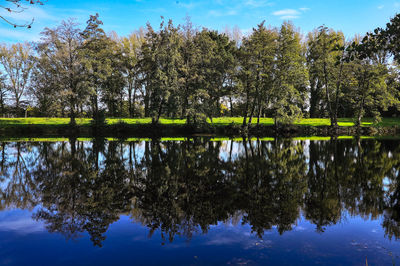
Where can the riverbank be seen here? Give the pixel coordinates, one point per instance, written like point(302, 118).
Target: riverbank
point(226, 126)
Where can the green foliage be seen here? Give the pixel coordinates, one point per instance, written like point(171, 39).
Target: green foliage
point(289, 91)
point(200, 75)
point(76, 188)
point(17, 63)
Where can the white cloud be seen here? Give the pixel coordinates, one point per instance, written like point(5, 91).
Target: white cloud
point(21, 34)
point(217, 13)
point(289, 17)
point(381, 6)
point(304, 9)
point(22, 226)
point(257, 3)
point(286, 12)
point(290, 13)
point(189, 5)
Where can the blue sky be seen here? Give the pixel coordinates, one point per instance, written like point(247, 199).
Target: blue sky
point(124, 16)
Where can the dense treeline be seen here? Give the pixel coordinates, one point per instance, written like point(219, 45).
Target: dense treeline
point(186, 72)
point(180, 188)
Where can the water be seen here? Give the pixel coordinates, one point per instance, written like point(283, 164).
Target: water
point(197, 202)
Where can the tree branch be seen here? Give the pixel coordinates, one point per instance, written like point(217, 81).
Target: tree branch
point(19, 8)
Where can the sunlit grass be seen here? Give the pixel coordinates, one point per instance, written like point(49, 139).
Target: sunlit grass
point(220, 121)
point(42, 121)
point(212, 139)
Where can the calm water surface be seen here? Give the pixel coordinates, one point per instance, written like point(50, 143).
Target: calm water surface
point(197, 202)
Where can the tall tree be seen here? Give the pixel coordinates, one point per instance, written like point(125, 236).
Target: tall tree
point(216, 56)
point(45, 86)
point(3, 93)
point(188, 74)
point(96, 57)
point(159, 64)
point(130, 47)
point(62, 45)
point(258, 53)
point(369, 88)
point(17, 63)
point(290, 83)
point(326, 58)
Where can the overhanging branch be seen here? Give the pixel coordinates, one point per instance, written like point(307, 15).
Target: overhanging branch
point(18, 7)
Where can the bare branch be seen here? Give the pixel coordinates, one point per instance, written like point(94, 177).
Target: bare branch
point(18, 7)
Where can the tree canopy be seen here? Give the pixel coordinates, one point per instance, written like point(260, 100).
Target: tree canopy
point(181, 71)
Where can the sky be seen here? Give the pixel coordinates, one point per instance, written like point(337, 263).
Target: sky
point(125, 16)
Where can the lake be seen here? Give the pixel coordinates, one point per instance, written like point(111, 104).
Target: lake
point(200, 201)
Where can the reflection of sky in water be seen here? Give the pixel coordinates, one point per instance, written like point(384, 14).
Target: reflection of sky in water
point(24, 241)
point(19, 222)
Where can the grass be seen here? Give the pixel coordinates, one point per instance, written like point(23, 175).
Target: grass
point(41, 121)
point(214, 139)
point(220, 121)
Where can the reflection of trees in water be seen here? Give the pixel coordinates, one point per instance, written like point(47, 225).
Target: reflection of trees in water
point(16, 162)
point(272, 184)
point(78, 192)
point(181, 188)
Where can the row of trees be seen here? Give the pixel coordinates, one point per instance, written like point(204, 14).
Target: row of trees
point(183, 188)
point(182, 71)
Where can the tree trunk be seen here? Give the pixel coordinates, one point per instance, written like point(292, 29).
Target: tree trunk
point(338, 85)
point(246, 109)
point(146, 105)
point(133, 102)
point(2, 104)
point(130, 99)
point(121, 105)
point(159, 111)
point(259, 111)
point(231, 104)
point(252, 113)
point(72, 114)
point(360, 112)
point(218, 108)
point(314, 99)
point(17, 106)
point(328, 98)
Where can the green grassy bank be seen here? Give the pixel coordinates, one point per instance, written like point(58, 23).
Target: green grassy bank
point(224, 126)
point(212, 139)
point(220, 121)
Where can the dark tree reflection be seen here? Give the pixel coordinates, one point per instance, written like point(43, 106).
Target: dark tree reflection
point(183, 188)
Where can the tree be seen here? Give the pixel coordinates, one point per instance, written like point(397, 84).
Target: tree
point(159, 65)
point(96, 57)
point(382, 39)
point(130, 47)
point(369, 88)
point(62, 47)
point(215, 58)
point(258, 65)
point(236, 36)
point(188, 74)
point(290, 83)
point(17, 63)
point(3, 93)
point(326, 57)
point(45, 86)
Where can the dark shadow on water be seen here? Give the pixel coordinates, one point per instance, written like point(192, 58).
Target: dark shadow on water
point(183, 187)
